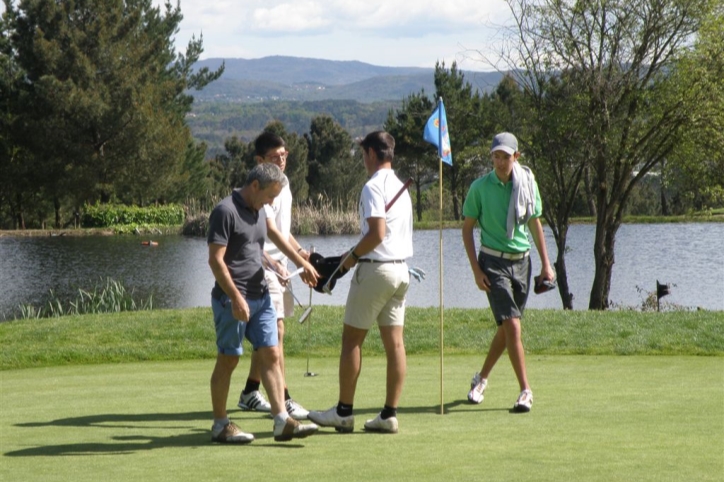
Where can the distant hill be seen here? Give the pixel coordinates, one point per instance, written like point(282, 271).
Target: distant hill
point(298, 70)
point(303, 79)
point(253, 92)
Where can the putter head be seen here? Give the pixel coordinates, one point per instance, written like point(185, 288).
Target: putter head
point(305, 315)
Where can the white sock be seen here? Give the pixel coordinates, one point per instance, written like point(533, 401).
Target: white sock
point(281, 417)
point(220, 423)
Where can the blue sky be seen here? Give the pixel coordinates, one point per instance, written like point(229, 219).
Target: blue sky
point(397, 33)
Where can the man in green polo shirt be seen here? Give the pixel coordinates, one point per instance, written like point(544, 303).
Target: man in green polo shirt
point(503, 203)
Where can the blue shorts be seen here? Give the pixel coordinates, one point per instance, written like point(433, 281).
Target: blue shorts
point(260, 330)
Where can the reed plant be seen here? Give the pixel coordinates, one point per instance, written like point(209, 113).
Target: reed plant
point(196, 225)
point(108, 296)
point(197, 211)
point(321, 218)
point(195, 207)
point(325, 217)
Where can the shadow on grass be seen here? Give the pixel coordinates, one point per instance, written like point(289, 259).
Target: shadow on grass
point(454, 407)
point(133, 443)
point(124, 420)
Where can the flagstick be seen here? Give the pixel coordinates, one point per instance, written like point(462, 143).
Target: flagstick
point(442, 406)
point(437, 119)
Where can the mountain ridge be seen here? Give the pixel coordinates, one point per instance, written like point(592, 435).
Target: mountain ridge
point(293, 90)
point(304, 79)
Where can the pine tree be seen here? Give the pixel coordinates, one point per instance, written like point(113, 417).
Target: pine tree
point(104, 100)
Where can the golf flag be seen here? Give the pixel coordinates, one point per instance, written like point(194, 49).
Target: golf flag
point(436, 133)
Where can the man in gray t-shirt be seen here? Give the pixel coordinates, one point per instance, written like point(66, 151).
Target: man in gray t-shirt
point(241, 303)
point(234, 224)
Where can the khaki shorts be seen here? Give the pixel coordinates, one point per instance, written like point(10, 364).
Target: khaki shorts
point(280, 296)
point(377, 292)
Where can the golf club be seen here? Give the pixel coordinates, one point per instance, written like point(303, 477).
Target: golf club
point(309, 325)
point(307, 310)
point(326, 287)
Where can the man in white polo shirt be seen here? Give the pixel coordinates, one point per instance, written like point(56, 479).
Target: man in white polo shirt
point(378, 288)
point(271, 148)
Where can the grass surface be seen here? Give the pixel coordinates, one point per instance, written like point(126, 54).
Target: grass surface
point(595, 418)
point(125, 397)
point(189, 334)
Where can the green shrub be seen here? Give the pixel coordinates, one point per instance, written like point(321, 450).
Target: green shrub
point(107, 215)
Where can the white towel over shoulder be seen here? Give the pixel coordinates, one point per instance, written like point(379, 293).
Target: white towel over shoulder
point(522, 199)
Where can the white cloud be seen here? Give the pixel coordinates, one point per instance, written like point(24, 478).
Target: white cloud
point(399, 18)
point(408, 17)
point(392, 32)
point(382, 32)
point(290, 19)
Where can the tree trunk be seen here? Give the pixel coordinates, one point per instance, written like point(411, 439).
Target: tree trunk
point(588, 189)
point(603, 253)
point(560, 234)
point(664, 203)
point(454, 192)
point(562, 279)
point(19, 217)
point(418, 198)
point(56, 205)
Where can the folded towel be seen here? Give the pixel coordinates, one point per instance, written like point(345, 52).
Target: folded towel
point(522, 199)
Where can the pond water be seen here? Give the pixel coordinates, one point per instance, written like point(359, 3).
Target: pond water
point(688, 256)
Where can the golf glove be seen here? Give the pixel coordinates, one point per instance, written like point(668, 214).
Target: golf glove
point(417, 273)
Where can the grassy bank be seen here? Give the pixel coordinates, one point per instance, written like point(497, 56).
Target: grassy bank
point(188, 334)
point(331, 220)
point(147, 230)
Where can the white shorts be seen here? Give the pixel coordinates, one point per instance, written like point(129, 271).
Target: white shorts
point(377, 293)
point(280, 296)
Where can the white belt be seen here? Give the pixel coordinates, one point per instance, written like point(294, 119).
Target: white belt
point(380, 261)
point(503, 254)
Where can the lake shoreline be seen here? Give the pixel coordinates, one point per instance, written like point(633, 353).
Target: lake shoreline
point(176, 271)
point(424, 225)
point(146, 233)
